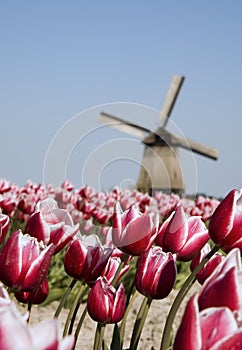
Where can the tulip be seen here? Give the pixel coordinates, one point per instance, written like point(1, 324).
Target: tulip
point(101, 215)
point(67, 185)
point(86, 258)
point(133, 232)
point(212, 329)
point(209, 267)
point(51, 224)
point(105, 304)
point(4, 226)
point(225, 226)
point(36, 296)
point(5, 186)
point(112, 268)
point(224, 286)
point(155, 274)
point(8, 204)
point(15, 334)
point(184, 236)
point(13, 330)
point(47, 335)
point(24, 262)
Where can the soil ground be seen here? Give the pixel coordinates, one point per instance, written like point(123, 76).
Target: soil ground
point(152, 332)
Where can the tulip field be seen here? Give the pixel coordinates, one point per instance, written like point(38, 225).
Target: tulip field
point(94, 254)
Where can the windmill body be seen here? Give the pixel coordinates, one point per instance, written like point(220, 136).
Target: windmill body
point(161, 169)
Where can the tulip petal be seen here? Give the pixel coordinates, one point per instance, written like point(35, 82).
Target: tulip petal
point(38, 270)
point(222, 219)
point(98, 302)
point(119, 305)
point(176, 233)
point(75, 258)
point(138, 235)
point(47, 335)
point(231, 342)
point(216, 323)
point(11, 260)
point(189, 333)
point(13, 331)
point(218, 294)
point(193, 246)
point(38, 228)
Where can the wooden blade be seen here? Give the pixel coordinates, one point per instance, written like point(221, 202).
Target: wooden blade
point(186, 143)
point(170, 98)
point(124, 126)
point(197, 147)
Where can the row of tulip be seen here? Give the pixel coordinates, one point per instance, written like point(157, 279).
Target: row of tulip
point(85, 203)
point(136, 242)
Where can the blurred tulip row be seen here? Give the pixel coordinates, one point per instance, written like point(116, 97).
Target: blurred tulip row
point(114, 246)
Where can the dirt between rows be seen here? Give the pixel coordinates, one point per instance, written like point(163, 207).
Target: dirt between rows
point(152, 331)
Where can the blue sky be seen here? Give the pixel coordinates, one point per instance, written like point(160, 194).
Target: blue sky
point(60, 58)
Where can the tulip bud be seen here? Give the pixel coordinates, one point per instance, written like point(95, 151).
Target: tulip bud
point(112, 267)
point(133, 232)
point(106, 304)
point(155, 274)
point(209, 267)
point(24, 262)
point(86, 258)
point(225, 226)
point(184, 236)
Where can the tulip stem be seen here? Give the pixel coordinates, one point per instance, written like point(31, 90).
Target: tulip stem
point(82, 291)
point(99, 336)
point(139, 323)
point(116, 276)
point(64, 297)
point(29, 311)
point(165, 342)
point(123, 323)
point(14, 223)
point(78, 328)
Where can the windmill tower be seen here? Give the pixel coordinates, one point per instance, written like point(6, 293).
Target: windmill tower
point(161, 168)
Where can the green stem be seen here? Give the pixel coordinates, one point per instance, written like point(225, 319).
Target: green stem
point(29, 310)
point(116, 276)
point(165, 342)
point(139, 323)
point(14, 223)
point(78, 328)
point(82, 291)
point(99, 336)
point(64, 298)
point(123, 323)
point(75, 312)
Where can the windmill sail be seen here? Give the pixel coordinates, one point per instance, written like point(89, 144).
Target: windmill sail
point(124, 126)
point(170, 99)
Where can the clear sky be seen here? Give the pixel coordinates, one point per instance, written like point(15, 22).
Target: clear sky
point(60, 58)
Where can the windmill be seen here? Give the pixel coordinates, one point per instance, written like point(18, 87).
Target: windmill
point(161, 168)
